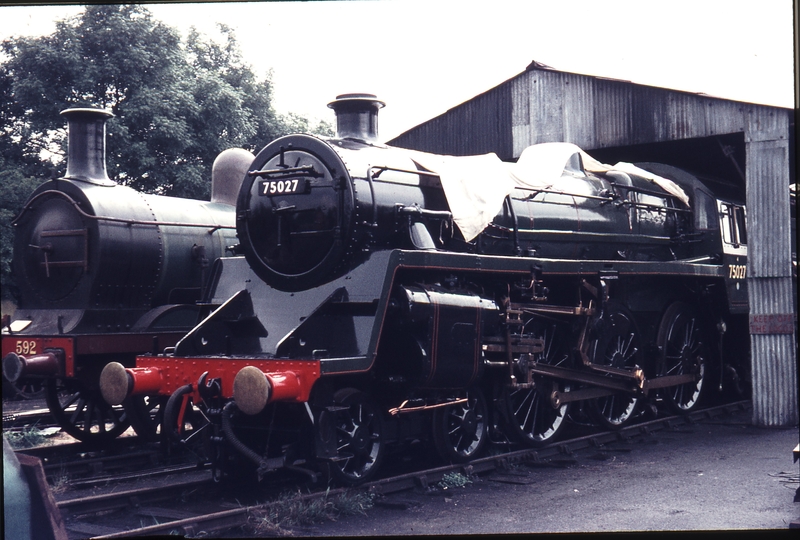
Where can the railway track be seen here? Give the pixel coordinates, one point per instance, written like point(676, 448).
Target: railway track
point(208, 519)
point(83, 464)
point(80, 466)
point(35, 417)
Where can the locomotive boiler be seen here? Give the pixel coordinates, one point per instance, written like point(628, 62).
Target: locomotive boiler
point(105, 273)
point(380, 295)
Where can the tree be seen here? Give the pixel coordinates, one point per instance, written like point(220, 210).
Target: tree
point(15, 189)
point(176, 106)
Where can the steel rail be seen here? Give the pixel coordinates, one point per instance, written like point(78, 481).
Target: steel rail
point(22, 419)
point(149, 473)
point(95, 504)
point(85, 466)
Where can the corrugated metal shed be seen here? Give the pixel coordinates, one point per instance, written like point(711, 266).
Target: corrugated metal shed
point(745, 146)
point(483, 122)
point(545, 105)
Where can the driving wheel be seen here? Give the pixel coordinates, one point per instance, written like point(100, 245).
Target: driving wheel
point(359, 437)
point(530, 411)
point(615, 343)
point(683, 351)
point(460, 430)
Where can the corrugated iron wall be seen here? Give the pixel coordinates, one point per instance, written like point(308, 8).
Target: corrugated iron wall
point(551, 106)
point(774, 354)
point(600, 113)
point(479, 126)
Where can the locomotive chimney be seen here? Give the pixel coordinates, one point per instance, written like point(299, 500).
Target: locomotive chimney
point(357, 116)
point(86, 154)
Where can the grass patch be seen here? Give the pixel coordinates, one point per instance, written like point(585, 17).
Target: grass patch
point(27, 437)
point(454, 480)
point(291, 510)
point(60, 482)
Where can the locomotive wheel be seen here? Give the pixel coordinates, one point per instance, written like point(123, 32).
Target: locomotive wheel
point(683, 350)
point(460, 431)
point(529, 411)
point(83, 413)
point(31, 389)
point(144, 413)
point(359, 437)
point(615, 343)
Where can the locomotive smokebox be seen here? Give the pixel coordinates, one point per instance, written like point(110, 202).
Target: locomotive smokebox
point(86, 159)
point(357, 116)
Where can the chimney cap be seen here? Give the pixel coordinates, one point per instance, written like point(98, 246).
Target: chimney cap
point(356, 98)
point(88, 110)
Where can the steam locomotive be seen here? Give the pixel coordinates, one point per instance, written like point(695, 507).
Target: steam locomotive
point(106, 273)
point(379, 295)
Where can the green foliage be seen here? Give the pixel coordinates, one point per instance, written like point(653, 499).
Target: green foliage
point(27, 437)
point(176, 105)
point(291, 510)
point(14, 190)
point(454, 480)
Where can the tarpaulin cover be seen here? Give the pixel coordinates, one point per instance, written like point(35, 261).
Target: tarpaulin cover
point(475, 186)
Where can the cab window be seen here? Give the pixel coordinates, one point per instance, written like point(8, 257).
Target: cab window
point(734, 231)
point(733, 228)
point(705, 211)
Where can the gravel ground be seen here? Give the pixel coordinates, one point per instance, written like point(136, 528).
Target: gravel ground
point(727, 475)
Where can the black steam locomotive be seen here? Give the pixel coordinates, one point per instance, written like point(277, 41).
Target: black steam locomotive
point(380, 295)
point(106, 273)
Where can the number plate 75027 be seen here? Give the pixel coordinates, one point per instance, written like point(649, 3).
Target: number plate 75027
point(282, 187)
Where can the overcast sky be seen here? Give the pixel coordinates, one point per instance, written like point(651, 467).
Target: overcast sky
point(423, 57)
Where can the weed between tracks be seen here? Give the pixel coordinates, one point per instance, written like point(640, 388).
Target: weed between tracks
point(27, 437)
point(59, 483)
point(454, 480)
point(291, 510)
